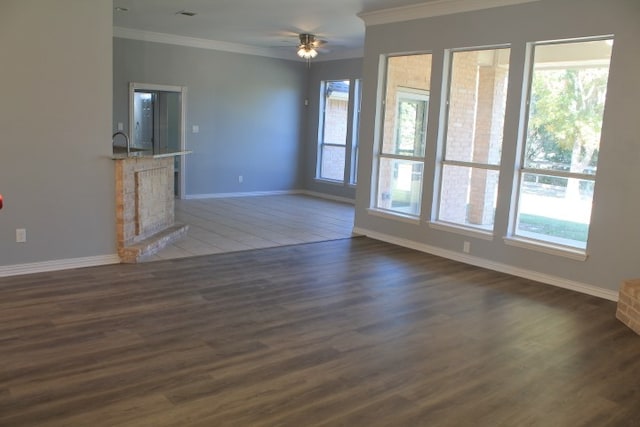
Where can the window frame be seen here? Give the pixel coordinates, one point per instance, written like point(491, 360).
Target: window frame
point(442, 162)
point(411, 94)
point(512, 237)
point(354, 94)
point(380, 154)
point(355, 132)
point(322, 131)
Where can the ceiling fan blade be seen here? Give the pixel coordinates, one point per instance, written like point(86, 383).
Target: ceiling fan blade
point(319, 43)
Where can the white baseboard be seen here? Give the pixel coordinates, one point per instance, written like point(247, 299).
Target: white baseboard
point(270, 193)
point(491, 265)
point(247, 194)
point(328, 197)
point(59, 264)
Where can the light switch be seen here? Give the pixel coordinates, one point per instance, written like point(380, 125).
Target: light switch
point(195, 129)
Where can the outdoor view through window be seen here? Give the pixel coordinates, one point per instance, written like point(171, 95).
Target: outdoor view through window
point(401, 155)
point(560, 156)
point(473, 142)
point(333, 135)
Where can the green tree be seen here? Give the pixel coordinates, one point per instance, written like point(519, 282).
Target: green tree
point(565, 118)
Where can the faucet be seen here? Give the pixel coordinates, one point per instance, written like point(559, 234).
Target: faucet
point(126, 138)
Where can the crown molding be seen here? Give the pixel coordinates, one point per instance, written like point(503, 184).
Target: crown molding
point(431, 9)
point(150, 36)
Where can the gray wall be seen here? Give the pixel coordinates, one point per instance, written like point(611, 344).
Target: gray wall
point(250, 111)
point(55, 119)
point(615, 230)
point(319, 71)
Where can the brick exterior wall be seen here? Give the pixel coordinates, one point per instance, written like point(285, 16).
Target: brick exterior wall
point(461, 128)
point(336, 117)
point(488, 143)
point(474, 134)
point(335, 121)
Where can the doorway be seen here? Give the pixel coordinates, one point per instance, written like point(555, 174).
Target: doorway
point(156, 123)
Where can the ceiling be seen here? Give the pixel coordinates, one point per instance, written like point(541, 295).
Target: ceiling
point(268, 26)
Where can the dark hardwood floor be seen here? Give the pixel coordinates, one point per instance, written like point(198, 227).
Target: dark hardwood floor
point(350, 332)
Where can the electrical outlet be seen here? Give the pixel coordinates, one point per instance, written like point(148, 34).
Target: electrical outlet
point(21, 235)
point(466, 247)
point(240, 179)
point(120, 126)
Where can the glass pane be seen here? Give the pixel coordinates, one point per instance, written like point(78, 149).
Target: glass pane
point(400, 185)
point(336, 107)
point(143, 118)
point(568, 92)
point(332, 166)
point(556, 210)
point(477, 102)
point(468, 196)
point(406, 105)
point(411, 125)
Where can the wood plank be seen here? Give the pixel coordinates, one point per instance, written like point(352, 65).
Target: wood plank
point(346, 332)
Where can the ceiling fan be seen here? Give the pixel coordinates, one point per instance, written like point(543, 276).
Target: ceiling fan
point(308, 46)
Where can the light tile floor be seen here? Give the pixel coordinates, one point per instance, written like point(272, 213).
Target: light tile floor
point(240, 223)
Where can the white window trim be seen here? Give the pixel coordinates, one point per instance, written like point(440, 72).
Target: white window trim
point(355, 132)
point(378, 154)
point(329, 181)
point(394, 215)
point(546, 247)
point(321, 133)
point(515, 239)
point(413, 94)
point(436, 222)
point(464, 230)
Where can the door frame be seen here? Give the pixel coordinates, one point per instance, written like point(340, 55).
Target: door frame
point(182, 90)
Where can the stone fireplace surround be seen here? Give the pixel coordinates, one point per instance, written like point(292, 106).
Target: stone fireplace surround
point(628, 311)
point(145, 207)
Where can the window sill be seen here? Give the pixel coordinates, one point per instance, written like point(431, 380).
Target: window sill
point(329, 181)
point(409, 219)
point(458, 229)
point(547, 248)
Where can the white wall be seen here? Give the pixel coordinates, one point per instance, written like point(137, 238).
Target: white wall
point(55, 130)
point(615, 229)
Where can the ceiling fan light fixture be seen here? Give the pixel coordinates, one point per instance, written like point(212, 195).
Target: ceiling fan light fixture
point(307, 47)
point(307, 52)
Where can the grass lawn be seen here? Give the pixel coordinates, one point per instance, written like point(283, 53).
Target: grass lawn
point(554, 227)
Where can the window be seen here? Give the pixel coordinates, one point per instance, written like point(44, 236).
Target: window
point(474, 122)
point(333, 131)
point(401, 155)
point(567, 91)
